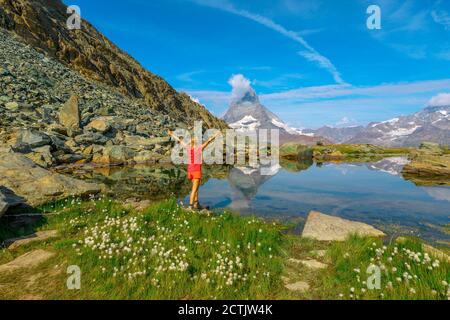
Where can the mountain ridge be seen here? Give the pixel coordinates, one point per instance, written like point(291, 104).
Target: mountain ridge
point(42, 24)
point(430, 124)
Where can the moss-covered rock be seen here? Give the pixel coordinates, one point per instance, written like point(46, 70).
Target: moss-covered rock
point(295, 151)
point(429, 166)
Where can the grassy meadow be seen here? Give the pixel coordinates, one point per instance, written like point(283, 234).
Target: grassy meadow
point(167, 252)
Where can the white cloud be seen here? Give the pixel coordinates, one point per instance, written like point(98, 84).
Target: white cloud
point(336, 91)
point(187, 77)
point(346, 122)
point(441, 100)
point(441, 17)
point(312, 54)
point(324, 62)
point(240, 84)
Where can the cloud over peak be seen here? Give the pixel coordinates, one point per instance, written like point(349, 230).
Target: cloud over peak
point(441, 100)
point(241, 85)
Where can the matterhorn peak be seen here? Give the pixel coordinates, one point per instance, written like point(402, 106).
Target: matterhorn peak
point(250, 97)
point(246, 113)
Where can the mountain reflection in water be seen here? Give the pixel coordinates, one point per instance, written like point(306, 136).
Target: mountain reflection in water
point(374, 193)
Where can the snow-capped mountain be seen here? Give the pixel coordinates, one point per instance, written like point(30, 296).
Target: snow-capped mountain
point(248, 114)
point(431, 124)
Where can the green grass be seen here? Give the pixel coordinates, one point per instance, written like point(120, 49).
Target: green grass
point(407, 272)
point(361, 152)
point(167, 252)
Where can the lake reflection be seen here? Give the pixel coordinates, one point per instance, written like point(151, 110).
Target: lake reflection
point(374, 193)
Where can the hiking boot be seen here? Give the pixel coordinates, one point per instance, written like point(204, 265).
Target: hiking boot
point(197, 206)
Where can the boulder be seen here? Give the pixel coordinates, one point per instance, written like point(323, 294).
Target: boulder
point(69, 158)
point(37, 185)
point(147, 157)
point(28, 260)
point(428, 168)
point(89, 138)
point(15, 243)
point(116, 155)
point(69, 115)
point(101, 124)
point(323, 227)
point(42, 156)
point(295, 151)
point(33, 138)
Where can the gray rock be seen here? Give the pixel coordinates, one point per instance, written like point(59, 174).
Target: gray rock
point(71, 158)
point(38, 236)
point(42, 156)
point(33, 138)
point(299, 286)
point(101, 124)
point(310, 263)
point(89, 138)
point(117, 155)
point(36, 184)
point(28, 260)
point(69, 115)
point(323, 227)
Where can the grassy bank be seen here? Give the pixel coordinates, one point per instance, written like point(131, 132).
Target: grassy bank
point(166, 252)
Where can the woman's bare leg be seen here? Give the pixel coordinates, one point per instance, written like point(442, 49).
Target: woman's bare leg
point(197, 192)
point(194, 193)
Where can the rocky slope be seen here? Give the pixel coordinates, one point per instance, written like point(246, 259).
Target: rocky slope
point(42, 24)
point(248, 114)
point(56, 116)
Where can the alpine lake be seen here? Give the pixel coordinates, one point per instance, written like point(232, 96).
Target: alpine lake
point(370, 192)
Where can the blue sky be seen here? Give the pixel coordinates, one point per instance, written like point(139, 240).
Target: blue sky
point(313, 62)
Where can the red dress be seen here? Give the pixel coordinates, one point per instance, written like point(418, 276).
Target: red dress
point(195, 163)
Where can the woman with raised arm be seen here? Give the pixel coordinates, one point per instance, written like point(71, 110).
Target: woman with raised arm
point(195, 161)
